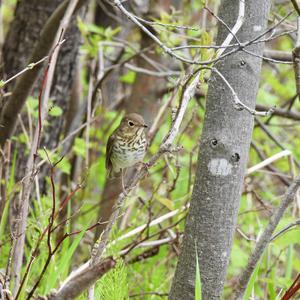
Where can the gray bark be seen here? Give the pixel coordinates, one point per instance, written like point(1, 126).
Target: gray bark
point(223, 155)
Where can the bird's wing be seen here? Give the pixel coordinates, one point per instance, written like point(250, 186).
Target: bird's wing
point(109, 146)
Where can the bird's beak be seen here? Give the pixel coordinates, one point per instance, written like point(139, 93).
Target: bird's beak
point(145, 126)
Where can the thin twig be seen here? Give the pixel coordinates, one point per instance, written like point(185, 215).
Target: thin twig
point(296, 6)
point(265, 238)
point(238, 104)
point(29, 67)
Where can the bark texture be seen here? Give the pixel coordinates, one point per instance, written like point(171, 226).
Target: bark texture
point(223, 156)
point(25, 32)
point(24, 84)
point(30, 16)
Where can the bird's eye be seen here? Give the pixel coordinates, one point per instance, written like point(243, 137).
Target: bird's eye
point(130, 123)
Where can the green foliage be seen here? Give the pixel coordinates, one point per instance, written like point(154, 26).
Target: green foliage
point(251, 282)
point(198, 290)
point(64, 165)
point(128, 78)
point(55, 111)
point(9, 193)
point(113, 285)
point(80, 147)
point(170, 182)
point(93, 35)
point(32, 106)
point(64, 263)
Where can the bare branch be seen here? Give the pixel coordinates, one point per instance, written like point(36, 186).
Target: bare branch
point(238, 104)
point(296, 6)
point(152, 23)
point(166, 49)
point(232, 32)
point(29, 67)
point(187, 95)
point(280, 112)
point(265, 238)
point(82, 278)
point(268, 161)
point(285, 229)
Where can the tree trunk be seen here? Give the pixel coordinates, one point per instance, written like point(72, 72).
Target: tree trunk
point(223, 155)
point(30, 17)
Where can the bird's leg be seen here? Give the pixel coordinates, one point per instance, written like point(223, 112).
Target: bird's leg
point(123, 185)
point(144, 165)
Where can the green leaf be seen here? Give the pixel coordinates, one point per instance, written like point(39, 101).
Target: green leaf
point(198, 292)
point(65, 166)
point(32, 103)
point(55, 111)
point(165, 201)
point(2, 83)
point(251, 282)
point(114, 284)
point(289, 263)
point(95, 29)
point(129, 77)
point(82, 26)
point(79, 147)
point(65, 262)
point(52, 156)
point(271, 285)
point(10, 187)
point(165, 17)
point(109, 32)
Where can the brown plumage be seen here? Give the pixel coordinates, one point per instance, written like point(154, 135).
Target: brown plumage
point(127, 145)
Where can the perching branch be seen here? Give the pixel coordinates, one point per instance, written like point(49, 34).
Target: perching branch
point(87, 274)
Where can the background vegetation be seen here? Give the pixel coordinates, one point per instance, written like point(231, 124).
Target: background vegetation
point(111, 76)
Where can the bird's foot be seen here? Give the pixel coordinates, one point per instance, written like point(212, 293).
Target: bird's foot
point(146, 167)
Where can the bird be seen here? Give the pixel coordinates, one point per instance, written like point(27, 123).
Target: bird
point(126, 146)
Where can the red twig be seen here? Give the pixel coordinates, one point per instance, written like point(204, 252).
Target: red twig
point(292, 289)
point(67, 199)
point(47, 229)
point(52, 216)
point(42, 88)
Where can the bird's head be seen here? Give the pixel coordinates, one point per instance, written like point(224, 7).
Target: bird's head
point(132, 124)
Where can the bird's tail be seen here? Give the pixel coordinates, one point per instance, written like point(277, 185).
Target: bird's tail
point(114, 174)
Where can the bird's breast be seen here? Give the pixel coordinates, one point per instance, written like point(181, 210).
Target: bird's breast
point(126, 153)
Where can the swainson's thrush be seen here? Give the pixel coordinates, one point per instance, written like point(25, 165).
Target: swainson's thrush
point(127, 145)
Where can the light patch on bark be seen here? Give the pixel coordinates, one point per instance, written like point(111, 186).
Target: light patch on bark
point(219, 167)
point(256, 28)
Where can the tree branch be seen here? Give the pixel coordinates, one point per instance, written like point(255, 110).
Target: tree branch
point(87, 274)
point(265, 238)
